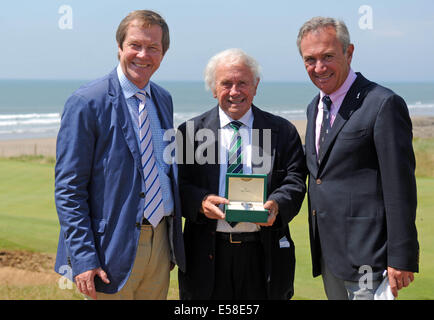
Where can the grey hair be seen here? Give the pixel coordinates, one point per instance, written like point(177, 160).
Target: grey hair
point(233, 57)
point(317, 23)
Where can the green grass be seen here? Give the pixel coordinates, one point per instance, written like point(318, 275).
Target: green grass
point(424, 151)
point(305, 286)
point(41, 292)
point(28, 221)
point(422, 288)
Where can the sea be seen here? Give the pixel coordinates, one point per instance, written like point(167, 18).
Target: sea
point(33, 108)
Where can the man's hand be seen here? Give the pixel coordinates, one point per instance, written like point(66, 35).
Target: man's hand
point(273, 208)
point(86, 284)
point(398, 279)
point(210, 206)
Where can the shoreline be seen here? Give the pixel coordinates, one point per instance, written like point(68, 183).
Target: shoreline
point(423, 127)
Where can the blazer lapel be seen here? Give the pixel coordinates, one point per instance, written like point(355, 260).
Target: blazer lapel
point(212, 122)
point(124, 119)
point(164, 114)
point(260, 123)
point(310, 141)
point(352, 101)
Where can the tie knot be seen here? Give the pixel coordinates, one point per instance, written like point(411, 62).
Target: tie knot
point(327, 102)
point(141, 95)
point(236, 125)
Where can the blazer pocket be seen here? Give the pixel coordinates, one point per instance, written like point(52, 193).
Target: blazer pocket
point(366, 205)
point(349, 135)
point(99, 226)
point(365, 241)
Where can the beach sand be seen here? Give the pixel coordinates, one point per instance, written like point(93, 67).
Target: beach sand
point(423, 127)
point(33, 147)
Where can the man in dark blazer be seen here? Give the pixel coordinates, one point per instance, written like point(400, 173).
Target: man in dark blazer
point(108, 241)
point(362, 189)
point(248, 260)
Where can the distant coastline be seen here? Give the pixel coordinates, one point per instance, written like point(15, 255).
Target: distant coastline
point(423, 127)
point(32, 109)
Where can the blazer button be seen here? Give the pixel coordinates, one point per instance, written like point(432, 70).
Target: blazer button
point(318, 181)
point(142, 194)
point(314, 212)
point(138, 225)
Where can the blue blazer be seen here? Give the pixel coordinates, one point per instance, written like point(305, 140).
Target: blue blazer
point(99, 182)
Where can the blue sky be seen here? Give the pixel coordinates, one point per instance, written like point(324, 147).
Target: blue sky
point(399, 47)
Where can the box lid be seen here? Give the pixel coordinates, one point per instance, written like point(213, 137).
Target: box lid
point(246, 187)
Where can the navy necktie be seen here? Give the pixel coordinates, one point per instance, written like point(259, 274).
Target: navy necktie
point(325, 125)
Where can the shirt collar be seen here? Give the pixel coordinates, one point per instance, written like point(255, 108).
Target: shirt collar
point(246, 119)
point(343, 89)
point(129, 89)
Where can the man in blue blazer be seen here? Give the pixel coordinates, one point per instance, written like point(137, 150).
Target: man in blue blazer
point(362, 188)
point(108, 239)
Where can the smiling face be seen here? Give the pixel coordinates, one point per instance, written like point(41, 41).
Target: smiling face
point(326, 63)
point(141, 53)
point(235, 88)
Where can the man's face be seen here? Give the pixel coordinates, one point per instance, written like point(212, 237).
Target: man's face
point(235, 88)
point(141, 53)
point(326, 63)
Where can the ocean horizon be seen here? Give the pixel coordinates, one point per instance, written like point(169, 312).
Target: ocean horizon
point(33, 108)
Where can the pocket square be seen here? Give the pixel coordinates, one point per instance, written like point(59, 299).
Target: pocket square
point(284, 243)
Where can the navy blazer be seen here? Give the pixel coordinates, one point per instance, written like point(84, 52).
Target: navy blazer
point(286, 176)
point(99, 181)
point(362, 195)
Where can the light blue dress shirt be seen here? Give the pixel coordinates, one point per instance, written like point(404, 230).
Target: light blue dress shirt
point(129, 90)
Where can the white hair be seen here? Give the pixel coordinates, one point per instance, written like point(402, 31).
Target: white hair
point(230, 56)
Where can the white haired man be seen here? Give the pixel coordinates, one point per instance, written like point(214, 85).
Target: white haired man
point(248, 260)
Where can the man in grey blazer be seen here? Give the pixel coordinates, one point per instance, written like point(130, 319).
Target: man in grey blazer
point(362, 188)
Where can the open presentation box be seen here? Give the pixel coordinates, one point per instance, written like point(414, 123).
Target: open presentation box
point(247, 194)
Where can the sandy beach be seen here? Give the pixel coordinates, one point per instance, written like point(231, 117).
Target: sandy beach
point(15, 148)
point(423, 127)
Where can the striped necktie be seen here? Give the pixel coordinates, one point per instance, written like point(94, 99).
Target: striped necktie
point(235, 162)
point(325, 125)
point(154, 208)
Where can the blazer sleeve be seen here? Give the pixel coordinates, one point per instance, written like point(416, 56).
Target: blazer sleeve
point(74, 158)
point(291, 189)
point(393, 143)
